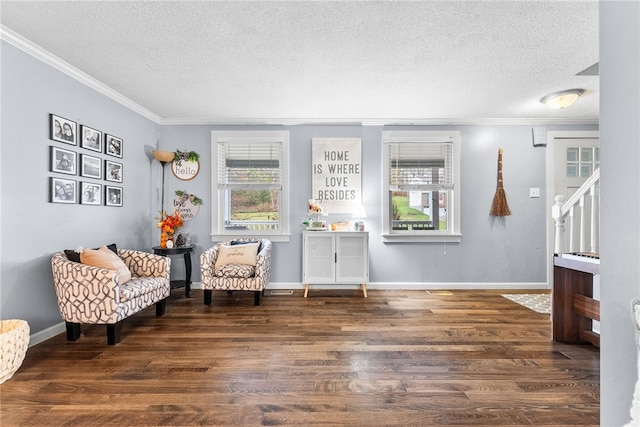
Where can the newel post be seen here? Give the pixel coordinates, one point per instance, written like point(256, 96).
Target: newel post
point(556, 214)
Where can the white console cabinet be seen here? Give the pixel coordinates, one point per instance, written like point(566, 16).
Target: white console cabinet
point(335, 257)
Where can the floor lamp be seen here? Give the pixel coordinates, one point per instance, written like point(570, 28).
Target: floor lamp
point(163, 157)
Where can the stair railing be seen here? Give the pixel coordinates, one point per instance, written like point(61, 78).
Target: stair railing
point(586, 202)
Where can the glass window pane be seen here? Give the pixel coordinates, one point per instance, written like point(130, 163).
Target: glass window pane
point(443, 210)
point(255, 209)
point(586, 169)
point(419, 210)
point(572, 170)
point(572, 154)
point(596, 155)
point(586, 154)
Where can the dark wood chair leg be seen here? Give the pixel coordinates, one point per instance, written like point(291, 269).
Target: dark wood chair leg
point(160, 307)
point(207, 296)
point(256, 297)
point(73, 331)
point(113, 333)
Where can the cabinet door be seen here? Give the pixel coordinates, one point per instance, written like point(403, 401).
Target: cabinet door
point(353, 258)
point(319, 264)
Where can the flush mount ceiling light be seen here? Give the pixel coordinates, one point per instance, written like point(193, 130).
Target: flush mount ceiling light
point(560, 100)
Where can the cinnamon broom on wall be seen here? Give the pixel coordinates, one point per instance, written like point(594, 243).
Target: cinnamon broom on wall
point(500, 207)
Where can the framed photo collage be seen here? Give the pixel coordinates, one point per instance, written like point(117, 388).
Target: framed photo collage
point(93, 156)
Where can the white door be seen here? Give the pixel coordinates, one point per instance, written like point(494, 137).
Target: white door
point(575, 158)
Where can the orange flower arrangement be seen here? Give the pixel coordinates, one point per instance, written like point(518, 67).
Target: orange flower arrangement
point(168, 225)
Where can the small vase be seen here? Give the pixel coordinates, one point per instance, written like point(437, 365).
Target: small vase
point(164, 238)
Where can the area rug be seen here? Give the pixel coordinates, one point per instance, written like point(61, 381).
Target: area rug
point(540, 303)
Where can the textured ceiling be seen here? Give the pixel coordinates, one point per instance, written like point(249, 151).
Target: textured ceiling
point(326, 62)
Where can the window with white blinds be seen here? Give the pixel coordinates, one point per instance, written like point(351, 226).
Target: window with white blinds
point(421, 186)
point(250, 188)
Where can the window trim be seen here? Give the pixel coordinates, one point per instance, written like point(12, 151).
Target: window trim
point(218, 231)
point(454, 234)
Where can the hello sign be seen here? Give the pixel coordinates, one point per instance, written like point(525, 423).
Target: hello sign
point(185, 170)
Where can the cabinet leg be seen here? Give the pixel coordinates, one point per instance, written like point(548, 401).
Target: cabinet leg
point(363, 286)
point(306, 289)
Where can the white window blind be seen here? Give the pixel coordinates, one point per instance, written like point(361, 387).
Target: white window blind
point(421, 165)
point(249, 165)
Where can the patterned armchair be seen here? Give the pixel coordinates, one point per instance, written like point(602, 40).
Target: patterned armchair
point(92, 295)
point(236, 276)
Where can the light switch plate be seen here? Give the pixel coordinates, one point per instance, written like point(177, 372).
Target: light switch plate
point(534, 192)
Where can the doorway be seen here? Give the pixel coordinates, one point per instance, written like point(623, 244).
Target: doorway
point(572, 157)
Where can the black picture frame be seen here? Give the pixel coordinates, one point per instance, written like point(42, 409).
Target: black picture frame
point(63, 161)
point(113, 145)
point(113, 171)
point(63, 130)
point(63, 190)
point(90, 193)
point(91, 138)
point(90, 166)
point(112, 196)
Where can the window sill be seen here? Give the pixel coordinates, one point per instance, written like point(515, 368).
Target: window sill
point(413, 238)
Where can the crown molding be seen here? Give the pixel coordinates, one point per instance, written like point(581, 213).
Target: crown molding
point(41, 54)
point(533, 121)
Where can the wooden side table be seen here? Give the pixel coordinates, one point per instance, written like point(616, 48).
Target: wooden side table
point(179, 250)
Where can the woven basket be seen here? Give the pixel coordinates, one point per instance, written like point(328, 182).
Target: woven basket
point(14, 341)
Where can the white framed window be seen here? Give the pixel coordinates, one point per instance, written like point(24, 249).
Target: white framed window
point(582, 161)
point(250, 184)
point(421, 186)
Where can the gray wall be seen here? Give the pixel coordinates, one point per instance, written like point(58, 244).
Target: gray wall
point(509, 252)
point(32, 229)
point(620, 209)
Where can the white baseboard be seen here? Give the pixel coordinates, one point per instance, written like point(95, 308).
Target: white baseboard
point(409, 286)
point(46, 334)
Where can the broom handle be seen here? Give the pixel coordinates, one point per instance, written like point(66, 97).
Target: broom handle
point(500, 168)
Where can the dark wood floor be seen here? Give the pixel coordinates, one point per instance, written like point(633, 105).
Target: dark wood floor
point(397, 358)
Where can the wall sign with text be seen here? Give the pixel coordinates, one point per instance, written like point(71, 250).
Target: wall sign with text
point(337, 173)
point(185, 170)
point(187, 204)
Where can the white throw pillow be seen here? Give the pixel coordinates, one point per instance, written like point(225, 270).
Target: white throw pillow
point(237, 254)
